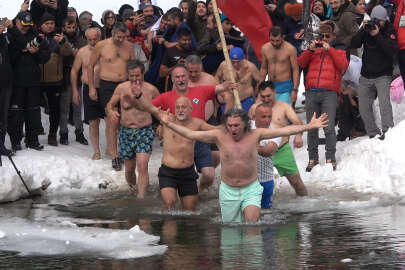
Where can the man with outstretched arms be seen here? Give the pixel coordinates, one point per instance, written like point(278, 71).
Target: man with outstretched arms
point(240, 193)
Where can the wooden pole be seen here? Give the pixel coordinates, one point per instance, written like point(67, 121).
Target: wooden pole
point(226, 54)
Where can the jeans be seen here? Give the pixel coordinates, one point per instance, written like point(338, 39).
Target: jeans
point(368, 90)
point(321, 101)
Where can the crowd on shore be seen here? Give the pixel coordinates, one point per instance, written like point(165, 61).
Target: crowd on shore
point(147, 73)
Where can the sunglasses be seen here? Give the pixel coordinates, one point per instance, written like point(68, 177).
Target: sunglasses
point(325, 35)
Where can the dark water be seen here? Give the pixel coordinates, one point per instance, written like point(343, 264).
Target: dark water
point(370, 236)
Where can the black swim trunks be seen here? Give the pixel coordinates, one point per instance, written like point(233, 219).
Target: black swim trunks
point(184, 180)
point(93, 109)
point(107, 89)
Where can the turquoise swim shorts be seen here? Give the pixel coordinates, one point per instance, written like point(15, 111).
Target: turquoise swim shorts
point(233, 200)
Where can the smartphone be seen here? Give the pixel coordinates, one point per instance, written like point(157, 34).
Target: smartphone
point(3, 21)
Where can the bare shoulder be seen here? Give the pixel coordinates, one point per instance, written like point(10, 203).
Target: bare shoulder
point(266, 47)
point(209, 79)
point(101, 44)
point(122, 86)
point(128, 45)
point(291, 49)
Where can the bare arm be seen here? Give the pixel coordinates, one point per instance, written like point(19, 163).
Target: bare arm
point(267, 150)
point(164, 71)
point(77, 64)
point(256, 73)
point(209, 136)
point(111, 106)
point(94, 57)
point(293, 118)
point(264, 66)
point(295, 68)
point(219, 74)
point(319, 122)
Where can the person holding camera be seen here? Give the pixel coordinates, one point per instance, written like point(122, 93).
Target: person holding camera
point(326, 61)
point(379, 40)
point(6, 80)
point(27, 51)
point(52, 72)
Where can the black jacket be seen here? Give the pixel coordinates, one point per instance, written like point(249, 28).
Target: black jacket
point(27, 72)
point(6, 71)
point(379, 51)
point(37, 10)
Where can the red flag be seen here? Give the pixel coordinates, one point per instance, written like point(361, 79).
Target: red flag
point(251, 18)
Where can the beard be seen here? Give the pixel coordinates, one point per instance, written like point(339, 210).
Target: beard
point(181, 117)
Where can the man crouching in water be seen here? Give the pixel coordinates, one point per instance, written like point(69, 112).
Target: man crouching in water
point(135, 134)
point(240, 192)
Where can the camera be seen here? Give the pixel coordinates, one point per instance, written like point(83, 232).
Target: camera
point(318, 44)
point(35, 42)
point(3, 21)
point(371, 25)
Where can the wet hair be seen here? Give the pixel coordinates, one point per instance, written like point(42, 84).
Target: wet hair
point(237, 113)
point(93, 29)
point(175, 13)
point(183, 32)
point(119, 27)
point(264, 84)
point(263, 105)
point(193, 59)
point(276, 31)
point(134, 64)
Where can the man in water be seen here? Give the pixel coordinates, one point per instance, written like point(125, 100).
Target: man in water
point(283, 115)
point(136, 134)
point(112, 55)
point(280, 64)
point(93, 110)
point(240, 193)
point(177, 173)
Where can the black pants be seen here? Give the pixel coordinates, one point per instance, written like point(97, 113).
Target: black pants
point(24, 107)
point(5, 95)
point(53, 95)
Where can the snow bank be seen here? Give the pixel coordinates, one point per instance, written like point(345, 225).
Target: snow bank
point(28, 238)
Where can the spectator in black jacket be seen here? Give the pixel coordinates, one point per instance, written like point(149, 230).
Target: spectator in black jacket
point(27, 51)
point(58, 8)
point(6, 80)
point(379, 39)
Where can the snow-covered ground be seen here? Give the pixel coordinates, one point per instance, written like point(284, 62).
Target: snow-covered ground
point(365, 166)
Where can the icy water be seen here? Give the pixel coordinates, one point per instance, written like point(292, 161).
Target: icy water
point(324, 231)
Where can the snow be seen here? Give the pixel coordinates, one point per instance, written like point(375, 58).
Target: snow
point(39, 238)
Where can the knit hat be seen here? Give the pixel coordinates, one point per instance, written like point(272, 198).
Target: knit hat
point(293, 9)
point(379, 12)
point(236, 54)
point(223, 17)
point(46, 17)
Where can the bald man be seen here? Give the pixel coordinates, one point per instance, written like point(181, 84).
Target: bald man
point(177, 173)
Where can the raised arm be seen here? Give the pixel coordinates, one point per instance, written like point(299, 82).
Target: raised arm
point(319, 122)
point(209, 136)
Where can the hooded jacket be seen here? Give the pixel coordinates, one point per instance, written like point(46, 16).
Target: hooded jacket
point(325, 68)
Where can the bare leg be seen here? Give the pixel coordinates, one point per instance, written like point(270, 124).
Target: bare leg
point(130, 175)
point(251, 213)
point(111, 130)
point(296, 182)
point(215, 158)
point(207, 178)
point(142, 160)
point(189, 202)
point(169, 196)
point(95, 138)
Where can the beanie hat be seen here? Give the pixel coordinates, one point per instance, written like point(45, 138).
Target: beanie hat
point(293, 9)
point(379, 12)
point(223, 17)
point(46, 17)
point(236, 54)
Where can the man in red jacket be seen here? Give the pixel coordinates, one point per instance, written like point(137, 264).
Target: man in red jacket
point(326, 61)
